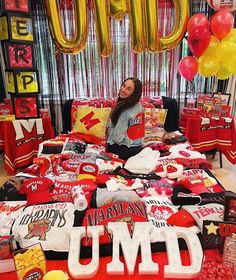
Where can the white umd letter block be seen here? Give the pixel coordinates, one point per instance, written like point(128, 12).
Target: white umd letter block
point(130, 246)
point(77, 270)
point(175, 269)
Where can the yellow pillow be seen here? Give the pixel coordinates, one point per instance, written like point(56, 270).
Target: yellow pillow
point(91, 120)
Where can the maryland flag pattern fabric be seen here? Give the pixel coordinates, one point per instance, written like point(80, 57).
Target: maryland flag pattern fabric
point(92, 121)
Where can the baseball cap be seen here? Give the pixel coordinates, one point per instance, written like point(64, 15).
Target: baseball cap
point(37, 190)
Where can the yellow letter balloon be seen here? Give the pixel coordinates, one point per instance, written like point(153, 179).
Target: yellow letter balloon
point(208, 66)
point(102, 27)
point(118, 8)
point(151, 32)
point(181, 19)
point(144, 25)
point(137, 25)
point(78, 41)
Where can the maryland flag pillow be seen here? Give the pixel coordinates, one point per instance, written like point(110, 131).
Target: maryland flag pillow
point(92, 121)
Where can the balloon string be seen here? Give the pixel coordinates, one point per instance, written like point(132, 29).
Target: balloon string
point(214, 84)
point(192, 88)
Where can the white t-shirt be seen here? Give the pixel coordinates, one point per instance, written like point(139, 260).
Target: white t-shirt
point(49, 224)
point(9, 211)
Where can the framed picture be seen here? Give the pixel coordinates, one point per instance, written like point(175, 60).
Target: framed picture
point(225, 97)
point(230, 207)
point(25, 107)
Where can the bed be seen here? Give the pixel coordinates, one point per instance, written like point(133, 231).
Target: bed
point(73, 184)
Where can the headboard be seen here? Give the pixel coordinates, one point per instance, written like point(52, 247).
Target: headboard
point(171, 123)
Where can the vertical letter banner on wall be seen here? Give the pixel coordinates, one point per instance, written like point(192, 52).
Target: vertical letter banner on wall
point(17, 34)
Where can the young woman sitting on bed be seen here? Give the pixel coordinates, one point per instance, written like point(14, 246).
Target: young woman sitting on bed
point(125, 129)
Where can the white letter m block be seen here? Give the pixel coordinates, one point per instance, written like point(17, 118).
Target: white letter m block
point(130, 246)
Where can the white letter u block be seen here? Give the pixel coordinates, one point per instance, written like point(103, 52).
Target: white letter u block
point(77, 270)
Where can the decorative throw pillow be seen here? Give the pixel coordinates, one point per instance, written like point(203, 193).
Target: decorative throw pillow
point(154, 119)
point(93, 102)
point(92, 121)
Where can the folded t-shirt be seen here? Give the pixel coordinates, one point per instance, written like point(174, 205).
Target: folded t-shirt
point(114, 212)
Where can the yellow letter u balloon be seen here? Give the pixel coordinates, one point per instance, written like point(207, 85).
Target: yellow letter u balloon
point(118, 8)
point(78, 41)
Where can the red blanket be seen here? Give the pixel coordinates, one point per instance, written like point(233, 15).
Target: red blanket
point(160, 258)
point(207, 134)
point(20, 140)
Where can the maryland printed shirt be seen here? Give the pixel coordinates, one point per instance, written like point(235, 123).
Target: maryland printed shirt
point(49, 224)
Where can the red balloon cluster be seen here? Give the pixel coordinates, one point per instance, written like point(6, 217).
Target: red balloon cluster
point(203, 40)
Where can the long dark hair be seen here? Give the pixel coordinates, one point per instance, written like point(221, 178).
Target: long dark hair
point(126, 103)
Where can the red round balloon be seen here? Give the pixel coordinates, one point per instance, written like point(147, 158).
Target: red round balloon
point(198, 40)
point(188, 67)
point(221, 24)
point(197, 20)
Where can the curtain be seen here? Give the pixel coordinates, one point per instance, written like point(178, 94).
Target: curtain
point(87, 74)
point(231, 89)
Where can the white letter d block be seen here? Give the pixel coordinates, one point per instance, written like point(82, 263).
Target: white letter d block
point(175, 269)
